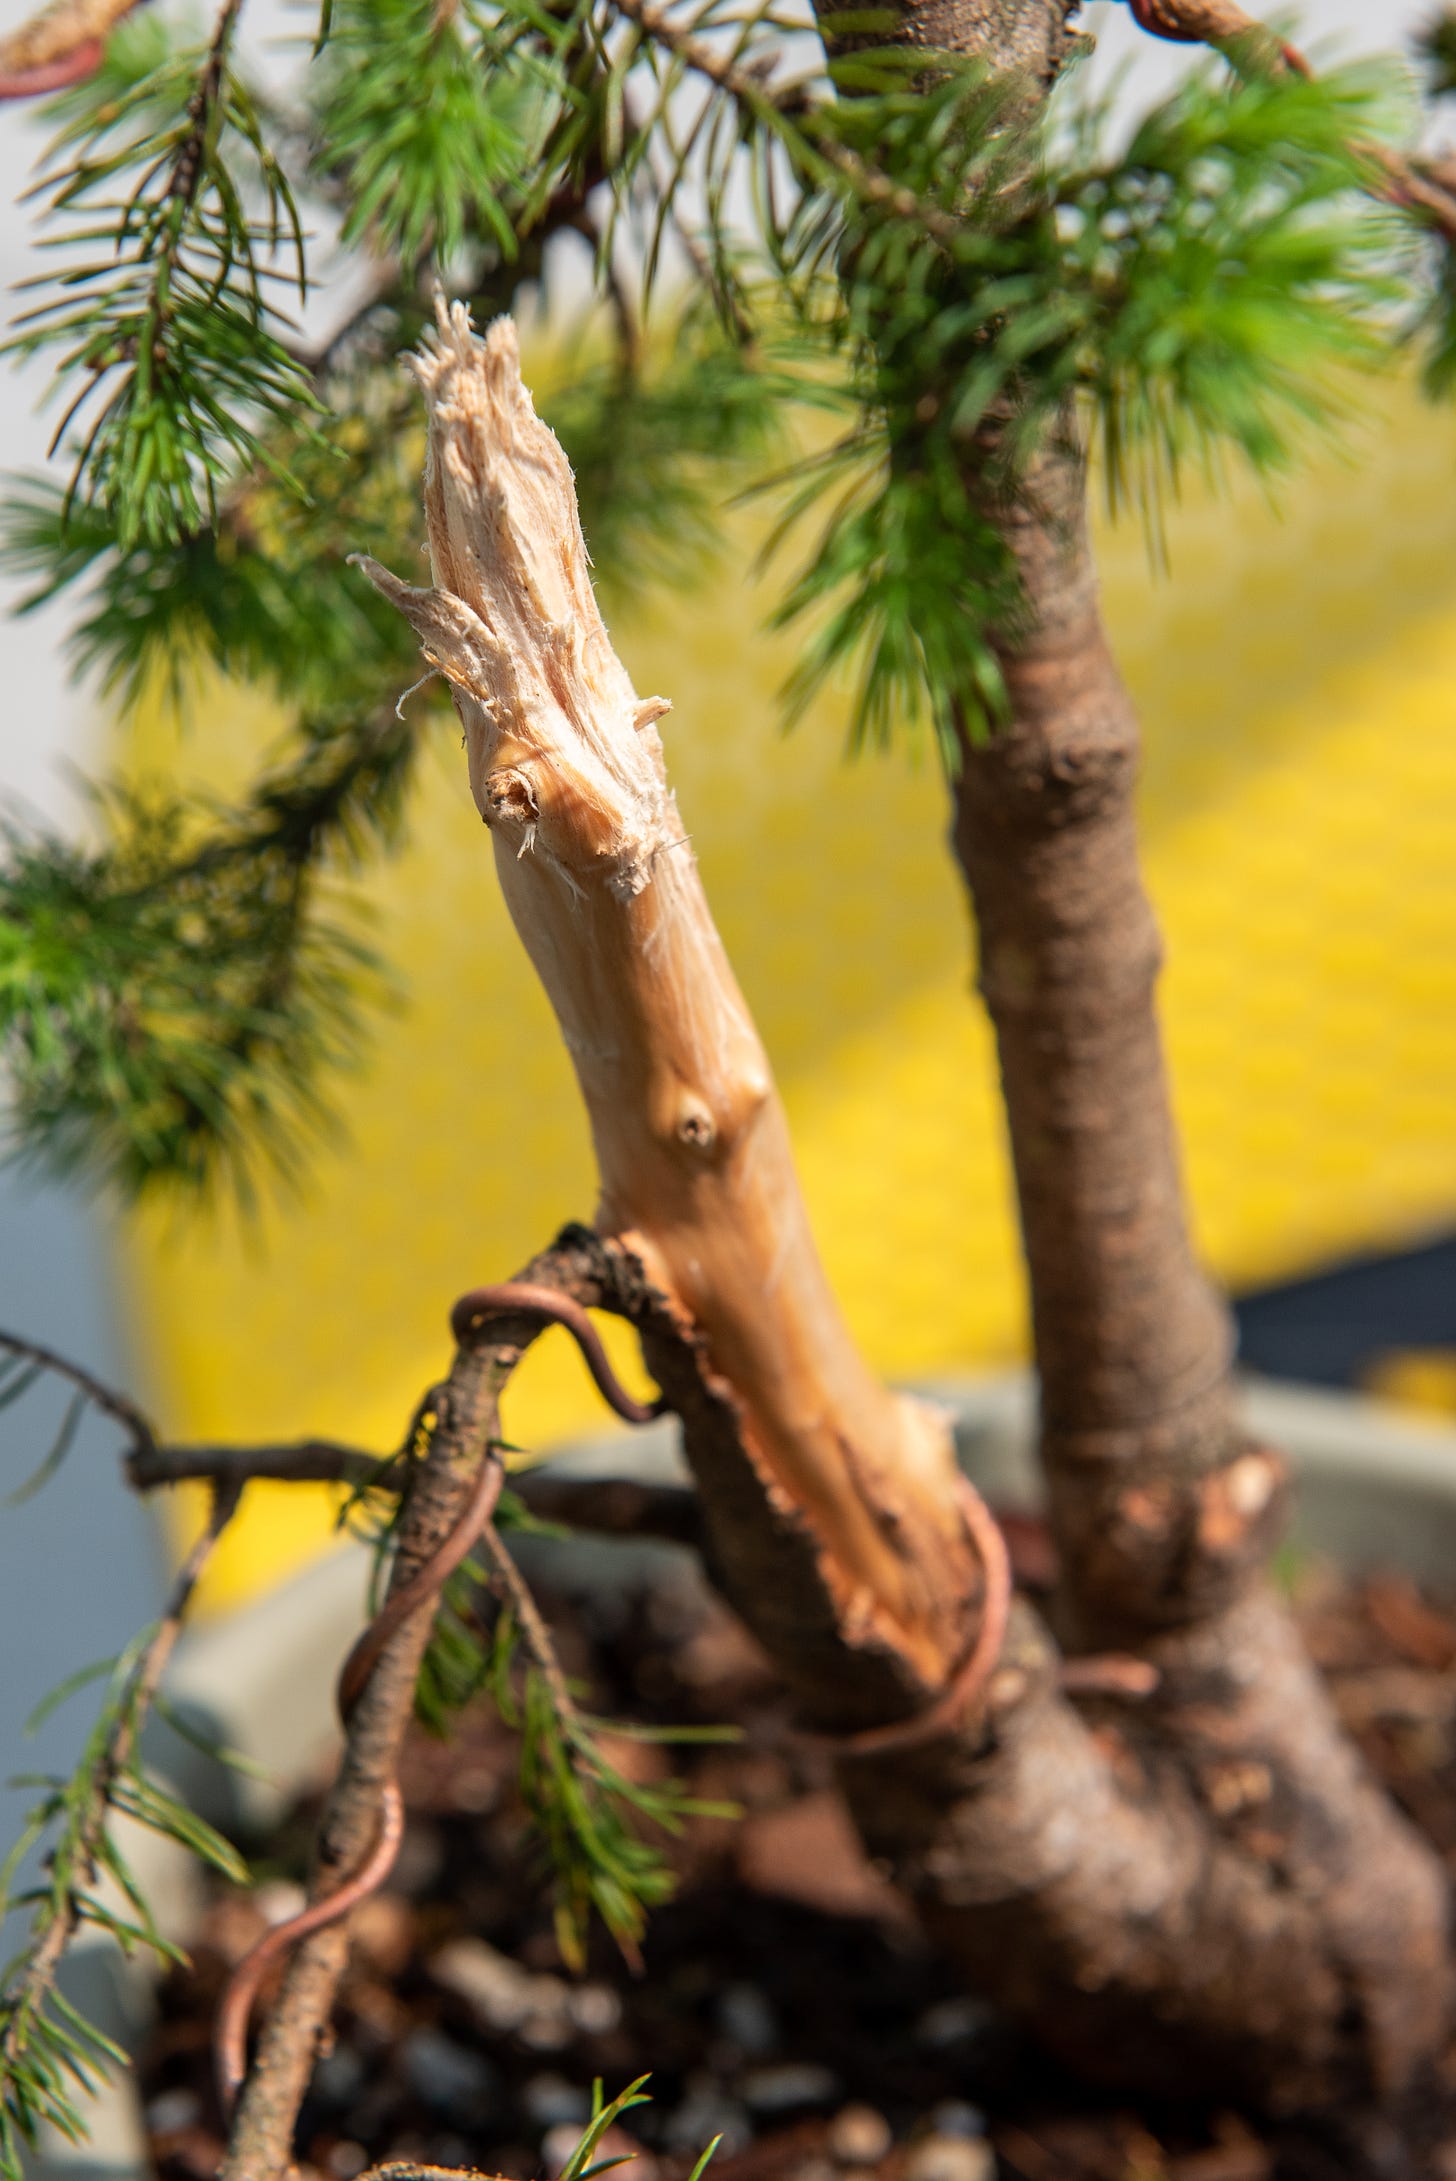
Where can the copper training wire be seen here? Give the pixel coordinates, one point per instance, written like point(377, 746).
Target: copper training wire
point(544, 1302)
point(984, 1531)
point(968, 1685)
point(230, 2035)
point(230, 2032)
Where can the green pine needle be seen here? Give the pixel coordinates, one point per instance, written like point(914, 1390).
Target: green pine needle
point(597, 1833)
point(52, 2059)
point(173, 217)
point(423, 129)
point(170, 1002)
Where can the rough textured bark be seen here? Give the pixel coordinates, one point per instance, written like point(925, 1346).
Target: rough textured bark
point(1174, 1915)
point(1031, 38)
point(465, 1407)
point(1218, 1902)
point(1210, 1903)
point(261, 2135)
point(1168, 1919)
point(1160, 1512)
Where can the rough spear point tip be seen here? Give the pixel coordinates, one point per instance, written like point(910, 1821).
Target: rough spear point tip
point(452, 345)
point(512, 622)
point(500, 500)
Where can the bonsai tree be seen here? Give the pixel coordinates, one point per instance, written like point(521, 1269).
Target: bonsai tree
point(1134, 1820)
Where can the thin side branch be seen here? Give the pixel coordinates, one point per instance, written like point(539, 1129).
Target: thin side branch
point(608, 1506)
point(759, 102)
point(301, 1461)
point(62, 1914)
point(612, 1506)
point(533, 1628)
point(119, 1406)
point(465, 1411)
point(1416, 185)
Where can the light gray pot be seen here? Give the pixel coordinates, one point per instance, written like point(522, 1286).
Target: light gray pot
point(1376, 1487)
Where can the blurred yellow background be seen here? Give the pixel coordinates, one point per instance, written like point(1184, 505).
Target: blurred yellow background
point(1296, 673)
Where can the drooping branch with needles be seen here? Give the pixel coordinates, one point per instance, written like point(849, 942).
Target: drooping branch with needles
point(49, 2051)
point(448, 1479)
point(1424, 186)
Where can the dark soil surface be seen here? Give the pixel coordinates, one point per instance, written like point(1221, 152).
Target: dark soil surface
point(786, 2000)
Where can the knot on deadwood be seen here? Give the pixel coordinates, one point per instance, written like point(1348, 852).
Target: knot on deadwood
point(510, 796)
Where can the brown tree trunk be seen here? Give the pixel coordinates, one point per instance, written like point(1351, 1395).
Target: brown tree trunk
point(1162, 1512)
point(1163, 1910)
point(1159, 1510)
